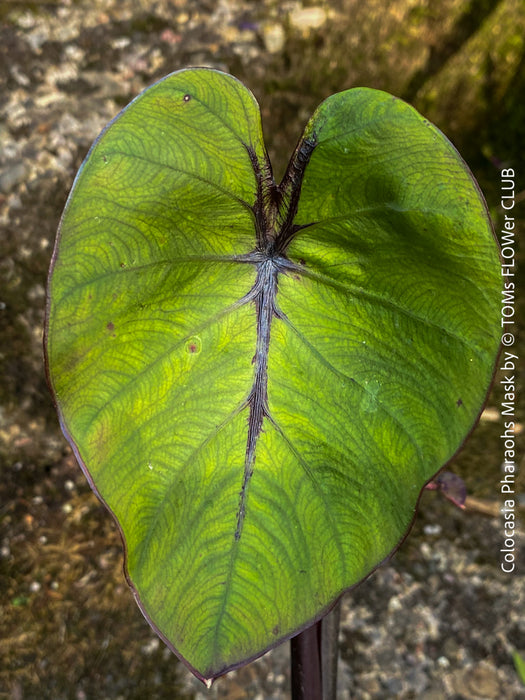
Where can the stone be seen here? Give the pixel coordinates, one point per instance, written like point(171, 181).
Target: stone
point(273, 37)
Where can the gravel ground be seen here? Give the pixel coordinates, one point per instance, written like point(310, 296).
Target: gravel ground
point(441, 619)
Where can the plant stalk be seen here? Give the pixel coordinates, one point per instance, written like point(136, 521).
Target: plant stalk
point(314, 656)
point(330, 651)
point(305, 651)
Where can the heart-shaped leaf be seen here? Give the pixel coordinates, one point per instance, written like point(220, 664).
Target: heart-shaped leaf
point(258, 380)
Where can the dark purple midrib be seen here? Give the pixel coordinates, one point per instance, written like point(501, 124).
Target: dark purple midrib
point(274, 211)
point(258, 399)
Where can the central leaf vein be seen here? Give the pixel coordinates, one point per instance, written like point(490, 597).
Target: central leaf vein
point(274, 209)
point(265, 290)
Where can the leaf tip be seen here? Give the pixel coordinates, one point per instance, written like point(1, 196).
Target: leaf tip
point(208, 682)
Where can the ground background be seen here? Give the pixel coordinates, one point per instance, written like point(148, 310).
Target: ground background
point(440, 620)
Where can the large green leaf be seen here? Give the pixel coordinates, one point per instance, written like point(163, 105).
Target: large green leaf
point(259, 380)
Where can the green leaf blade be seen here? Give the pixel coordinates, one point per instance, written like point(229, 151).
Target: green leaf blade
point(145, 224)
point(414, 254)
point(259, 381)
point(398, 268)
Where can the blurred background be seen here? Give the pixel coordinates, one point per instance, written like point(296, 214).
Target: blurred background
point(440, 620)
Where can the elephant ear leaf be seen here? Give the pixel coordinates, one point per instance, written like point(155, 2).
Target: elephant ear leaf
point(258, 379)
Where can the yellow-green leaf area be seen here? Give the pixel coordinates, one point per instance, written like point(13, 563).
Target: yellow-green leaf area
point(258, 379)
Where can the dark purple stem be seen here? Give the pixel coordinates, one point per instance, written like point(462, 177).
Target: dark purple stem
point(305, 649)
